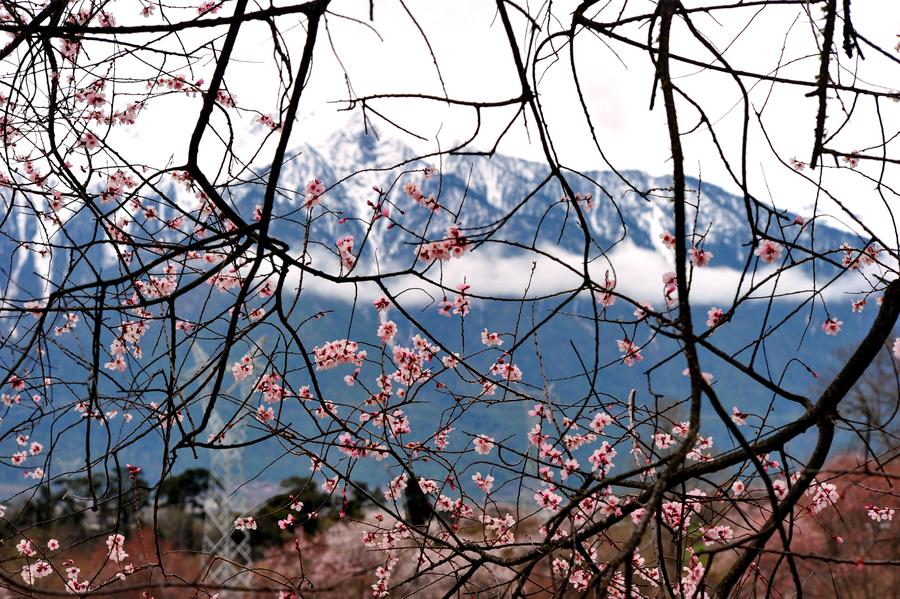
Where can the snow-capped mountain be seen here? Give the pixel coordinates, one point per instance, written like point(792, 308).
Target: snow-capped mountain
point(629, 210)
point(476, 191)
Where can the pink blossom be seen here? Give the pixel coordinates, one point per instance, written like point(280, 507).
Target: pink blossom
point(702, 444)
point(78, 588)
point(331, 484)
point(682, 429)
point(483, 444)
point(454, 245)
point(700, 257)
point(209, 7)
point(345, 250)
point(717, 535)
point(879, 514)
point(485, 483)
point(441, 438)
point(670, 288)
point(338, 352)
point(676, 515)
point(600, 421)
point(396, 488)
point(39, 569)
point(510, 372)
point(314, 190)
point(264, 414)
point(714, 316)
point(412, 190)
point(34, 308)
point(663, 440)
point(491, 339)
point(287, 522)
point(769, 251)
point(540, 411)
point(386, 331)
point(823, 495)
point(768, 463)
point(245, 523)
point(242, 368)
point(461, 305)
point(399, 423)
point(832, 326)
point(547, 499)
point(607, 299)
point(24, 547)
point(90, 141)
point(668, 239)
point(115, 543)
point(269, 387)
point(780, 488)
point(429, 487)
point(632, 353)
point(601, 459)
point(16, 383)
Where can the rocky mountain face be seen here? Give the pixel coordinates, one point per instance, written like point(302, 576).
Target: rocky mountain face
point(476, 191)
point(630, 209)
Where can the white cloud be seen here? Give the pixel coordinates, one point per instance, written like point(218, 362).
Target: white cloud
point(492, 272)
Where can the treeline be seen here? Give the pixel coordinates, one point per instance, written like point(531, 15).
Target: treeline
point(78, 507)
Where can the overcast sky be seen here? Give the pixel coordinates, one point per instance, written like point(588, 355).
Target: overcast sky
point(389, 55)
point(475, 62)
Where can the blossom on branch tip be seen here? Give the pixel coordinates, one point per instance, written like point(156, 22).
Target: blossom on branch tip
point(700, 257)
point(483, 444)
point(832, 326)
point(769, 251)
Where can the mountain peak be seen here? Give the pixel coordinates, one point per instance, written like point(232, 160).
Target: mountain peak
point(355, 132)
point(360, 146)
point(477, 190)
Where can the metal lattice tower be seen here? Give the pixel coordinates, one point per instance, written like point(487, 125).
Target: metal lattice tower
point(221, 507)
point(229, 550)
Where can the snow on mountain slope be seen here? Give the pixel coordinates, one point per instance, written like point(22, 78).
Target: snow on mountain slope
point(630, 213)
point(475, 192)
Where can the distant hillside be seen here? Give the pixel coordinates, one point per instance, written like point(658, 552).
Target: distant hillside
point(481, 191)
